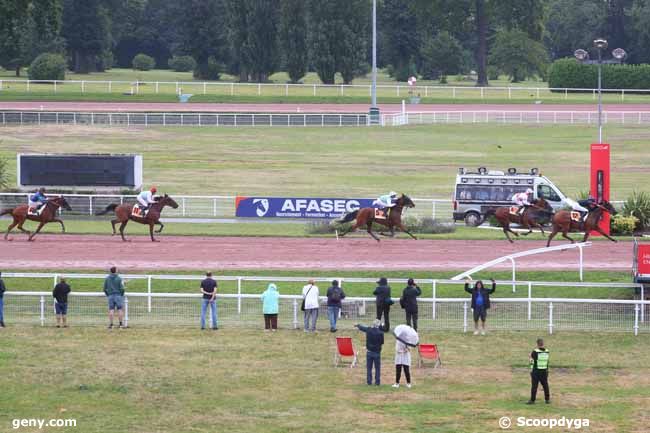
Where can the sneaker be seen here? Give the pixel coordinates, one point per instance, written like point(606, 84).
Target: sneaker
point(396, 385)
point(483, 332)
point(408, 385)
point(110, 326)
point(530, 402)
point(58, 326)
point(476, 332)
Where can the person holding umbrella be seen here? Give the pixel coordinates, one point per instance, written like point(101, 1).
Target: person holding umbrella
point(405, 338)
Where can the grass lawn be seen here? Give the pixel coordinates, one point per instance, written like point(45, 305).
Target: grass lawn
point(420, 160)
point(183, 380)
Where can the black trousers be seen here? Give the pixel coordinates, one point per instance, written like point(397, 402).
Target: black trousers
point(537, 377)
point(412, 320)
point(384, 310)
point(398, 373)
point(270, 321)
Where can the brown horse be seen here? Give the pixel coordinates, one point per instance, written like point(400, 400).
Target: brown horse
point(124, 214)
point(21, 214)
point(366, 216)
point(532, 216)
point(562, 222)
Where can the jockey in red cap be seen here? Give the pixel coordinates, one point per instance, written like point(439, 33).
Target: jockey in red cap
point(146, 199)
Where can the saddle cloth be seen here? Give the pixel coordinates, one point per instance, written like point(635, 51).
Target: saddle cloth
point(33, 212)
point(575, 216)
point(514, 210)
point(380, 214)
point(138, 212)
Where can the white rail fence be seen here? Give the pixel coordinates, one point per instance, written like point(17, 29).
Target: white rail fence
point(286, 89)
point(199, 206)
point(238, 306)
point(516, 117)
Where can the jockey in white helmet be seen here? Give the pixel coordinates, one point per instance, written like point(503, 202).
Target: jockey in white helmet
point(522, 199)
point(386, 201)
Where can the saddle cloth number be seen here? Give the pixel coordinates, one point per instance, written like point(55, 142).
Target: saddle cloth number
point(33, 211)
point(514, 210)
point(380, 214)
point(137, 212)
point(575, 216)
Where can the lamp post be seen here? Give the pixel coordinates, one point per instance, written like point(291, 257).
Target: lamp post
point(583, 56)
point(374, 110)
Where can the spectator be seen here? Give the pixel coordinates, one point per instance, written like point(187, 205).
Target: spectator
point(114, 290)
point(480, 302)
point(2, 292)
point(374, 341)
point(384, 301)
point(60, 295)
point(539, 372)
point(310, 298)
point(270, 307)
point(209, 289)
point(335, 295)
point(402, 360)
point(410, 303)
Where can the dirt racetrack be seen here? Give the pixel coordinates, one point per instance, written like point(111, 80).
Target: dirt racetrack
point(265, 253)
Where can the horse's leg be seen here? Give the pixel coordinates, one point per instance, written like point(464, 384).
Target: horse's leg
point(38, 229)
point(122, 229)
point(11, 226)
point(369, 225)
point(402, 228)
point(113, 222)
point(565, 233)
point(506, 229)
point(151, 225)
point(599, 230)
point(56, 220)
point(161, 227)
point(552, 235)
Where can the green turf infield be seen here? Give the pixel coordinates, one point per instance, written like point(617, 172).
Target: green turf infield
point(184, 380)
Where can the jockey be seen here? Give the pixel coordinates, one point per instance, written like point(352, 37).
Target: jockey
point(386, 201)
point(37, 200)
point(146, 198)
point(521, 199)
point(583, 206)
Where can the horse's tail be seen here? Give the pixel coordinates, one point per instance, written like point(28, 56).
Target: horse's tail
point(348, 217)
point(6, 211)
point(111, 207)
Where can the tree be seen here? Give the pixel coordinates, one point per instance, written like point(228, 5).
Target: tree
point(293, 37)
point(42, 30)
point(203, 26)
point(352, 48)
point(324, 25)
point(441, 56)
point(573, 24)
point(640, 35)
point(13, 14)
point(399, 37)
point(48, 66)
point(517, 55)
point(260, 51)
point(85, 28)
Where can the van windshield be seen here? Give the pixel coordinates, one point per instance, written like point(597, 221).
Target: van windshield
point(548, 193)
point(488, 192)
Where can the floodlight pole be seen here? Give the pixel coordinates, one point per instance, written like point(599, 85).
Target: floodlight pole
point(600, 96)
point(374, 110)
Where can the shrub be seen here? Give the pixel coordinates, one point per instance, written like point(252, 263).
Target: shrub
point(623, 225)
point(569, 73)
point(47, 66)
point(142, 62)
point(4, 173)
point(638, 206)
point(182, 63)
point(414, 225)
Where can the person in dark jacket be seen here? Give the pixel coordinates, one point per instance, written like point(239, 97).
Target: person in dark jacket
point(2, 292)
point(410, 303)
point(60, 294)
point(480, 302)
point(539, 372)
point(114, 290)
point(335, 295)
point(384, 301)
point(374, 341)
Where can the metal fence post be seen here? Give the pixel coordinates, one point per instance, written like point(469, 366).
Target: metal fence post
point(550, 318)
point(514, 275)
point(464, 316)
point(214, 207)
point(149, 293)
point(126, 311)
point(56, 279)
point(183, 208)
point(530, 302)
point(295, 314)
point(239, 296)
point(433, 308)
point(42, 310)
point(642, 305)
point(433, 209)
point(90, 205)
point(581, 272)
point(636, 319)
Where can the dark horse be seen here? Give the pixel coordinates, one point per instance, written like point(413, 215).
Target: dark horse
point(123, 214)
point(533, 216)
point(48, 215)
point(562, 222)
point(366, 216)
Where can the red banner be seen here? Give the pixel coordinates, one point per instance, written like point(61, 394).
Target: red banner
point(600, 179)
point(643, 259)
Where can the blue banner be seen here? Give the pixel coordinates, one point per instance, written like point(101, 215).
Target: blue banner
point(303, 207)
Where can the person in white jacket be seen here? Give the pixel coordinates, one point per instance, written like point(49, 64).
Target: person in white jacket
point(310, 297)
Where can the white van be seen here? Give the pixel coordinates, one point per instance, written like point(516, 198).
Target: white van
point(478, 192)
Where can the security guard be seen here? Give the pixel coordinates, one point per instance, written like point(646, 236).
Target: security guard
point(539, 371)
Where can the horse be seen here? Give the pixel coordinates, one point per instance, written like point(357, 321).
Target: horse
point(562, 222)
point(366, 216)
point(532, 216)
point(124, 214)
point(21, 214)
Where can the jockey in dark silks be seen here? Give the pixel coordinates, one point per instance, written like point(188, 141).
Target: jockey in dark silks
point(584, 206)
point(37, 200)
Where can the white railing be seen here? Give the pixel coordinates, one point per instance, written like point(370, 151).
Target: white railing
point(238, 288)
point(184, 119)
point(516, 117)
point(200, 206)
point(397, 90)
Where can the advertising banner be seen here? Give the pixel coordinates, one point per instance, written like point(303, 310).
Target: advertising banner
point(600, 178)
point(302, 207)
point(643, 259)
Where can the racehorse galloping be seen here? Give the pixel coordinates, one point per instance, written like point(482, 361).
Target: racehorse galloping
point(562, 222)
point(366, 216)
point(123, 214)
point(21, 214)
point(532, 216)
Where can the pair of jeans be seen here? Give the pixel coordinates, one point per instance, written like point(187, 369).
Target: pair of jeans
point(311, 315)
point(373, 358)
point(2, 316)
point(213, 309)
point(333, 315)
point(412, 320)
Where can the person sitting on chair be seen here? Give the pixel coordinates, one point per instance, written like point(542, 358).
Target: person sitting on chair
point(521, 199)
point(146, 199)
point(37, 201)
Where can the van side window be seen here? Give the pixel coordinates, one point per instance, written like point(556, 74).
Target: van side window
point(548, 192)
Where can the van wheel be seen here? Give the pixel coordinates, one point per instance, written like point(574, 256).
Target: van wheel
point(473, 219)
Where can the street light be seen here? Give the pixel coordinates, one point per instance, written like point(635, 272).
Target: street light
point(374, 110)
point(583, 56)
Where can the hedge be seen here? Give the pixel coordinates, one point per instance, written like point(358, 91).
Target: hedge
point(47, 66)
point(142, 62)
point(569, 73)
point(182, 63)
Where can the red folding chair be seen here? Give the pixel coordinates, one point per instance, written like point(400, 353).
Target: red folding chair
point(345, 348)
point(429, 351)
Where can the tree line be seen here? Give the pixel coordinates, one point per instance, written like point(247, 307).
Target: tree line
point(252, 39)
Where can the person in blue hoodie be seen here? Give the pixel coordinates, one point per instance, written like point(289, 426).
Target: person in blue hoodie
point(270, 307)
point(480, 302)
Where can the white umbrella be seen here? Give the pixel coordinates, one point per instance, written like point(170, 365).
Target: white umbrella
point(406, 335)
